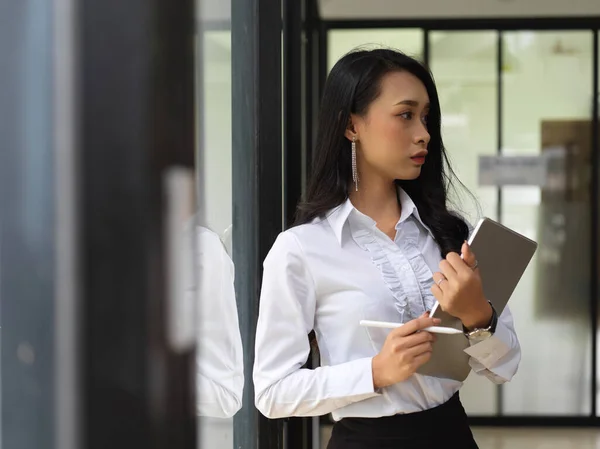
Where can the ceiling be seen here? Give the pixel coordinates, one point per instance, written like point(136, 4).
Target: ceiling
point(412, 9)
point(220, 11)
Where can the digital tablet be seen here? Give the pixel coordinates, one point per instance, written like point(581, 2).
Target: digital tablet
point(502, 256)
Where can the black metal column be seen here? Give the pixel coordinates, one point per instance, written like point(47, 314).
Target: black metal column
point(293, 104)
point(595, 200)
point(323, 52)
point(257, 190)
point(312, 70)
point(499, 131)
point(426, 48)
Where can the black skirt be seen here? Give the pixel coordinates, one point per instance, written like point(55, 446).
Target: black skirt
point(445, 427)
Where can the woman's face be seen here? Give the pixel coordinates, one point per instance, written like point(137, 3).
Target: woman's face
point(392, 137)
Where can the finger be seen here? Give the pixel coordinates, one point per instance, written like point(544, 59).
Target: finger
point(416, 339)
point(413, 326)
point(440, 280)
point(457, 264)
point(469, 257)
point(421, 359)
point(416, 351)
point(447, 269)
point(438, 293)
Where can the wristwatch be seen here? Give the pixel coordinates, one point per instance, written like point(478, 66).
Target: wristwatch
point(479, 334)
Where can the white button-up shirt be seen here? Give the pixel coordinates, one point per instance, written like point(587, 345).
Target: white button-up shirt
point(330, 274)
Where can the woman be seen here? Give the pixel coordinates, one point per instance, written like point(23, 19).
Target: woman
point(375, 240)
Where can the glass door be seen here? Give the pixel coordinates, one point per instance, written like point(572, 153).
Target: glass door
point(531, 98)
point(547, 98)
point(464, 66)
point(527, 96)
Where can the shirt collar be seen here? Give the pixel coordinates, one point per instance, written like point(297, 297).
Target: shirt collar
point(338, 216)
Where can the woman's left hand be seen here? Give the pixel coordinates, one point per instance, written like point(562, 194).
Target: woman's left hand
point(459, 291)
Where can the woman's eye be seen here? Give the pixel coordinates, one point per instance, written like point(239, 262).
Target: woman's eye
point(425, 119)
point(407, 115)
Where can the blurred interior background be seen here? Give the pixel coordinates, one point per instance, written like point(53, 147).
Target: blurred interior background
point(121, 123)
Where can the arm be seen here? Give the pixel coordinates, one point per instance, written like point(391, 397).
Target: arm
point(219, 362)
point(498, 357)
point(287, 309)
point(459, 291)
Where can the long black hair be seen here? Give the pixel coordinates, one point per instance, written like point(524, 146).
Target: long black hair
point(353, 84)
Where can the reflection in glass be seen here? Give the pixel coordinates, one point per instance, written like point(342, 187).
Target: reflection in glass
point(220, 370)
point(465, 68)
point(220, 373)
point(219, 362)
point(340, 42)
point(547, 97)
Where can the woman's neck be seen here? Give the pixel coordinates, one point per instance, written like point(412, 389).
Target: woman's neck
point(378, 200)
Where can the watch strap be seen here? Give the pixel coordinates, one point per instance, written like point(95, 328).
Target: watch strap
point(491, 327)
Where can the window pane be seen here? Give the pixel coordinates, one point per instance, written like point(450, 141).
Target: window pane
point(464, 65)
point(547, 100)
point(340, 42)
point(217, 165)
point(219, 359)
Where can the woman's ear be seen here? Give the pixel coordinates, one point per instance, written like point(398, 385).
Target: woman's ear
point(351, 129)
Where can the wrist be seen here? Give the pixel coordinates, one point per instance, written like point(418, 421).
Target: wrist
point(375, 373)
point(480, 318)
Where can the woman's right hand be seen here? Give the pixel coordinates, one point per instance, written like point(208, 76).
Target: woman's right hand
point(404, 351)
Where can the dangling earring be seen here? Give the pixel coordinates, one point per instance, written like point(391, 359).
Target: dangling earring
point(354, 169)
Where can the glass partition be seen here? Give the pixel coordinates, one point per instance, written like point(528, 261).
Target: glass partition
point(220, 368)
point(464, 66)
point(532, 102)
point(546, 104)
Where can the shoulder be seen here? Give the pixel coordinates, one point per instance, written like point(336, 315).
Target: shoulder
point(305, 233)
point(301, 239)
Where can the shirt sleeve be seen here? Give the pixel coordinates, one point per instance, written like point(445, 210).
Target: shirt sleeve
point(287, 310)
point(219, 362)
point(497, 357)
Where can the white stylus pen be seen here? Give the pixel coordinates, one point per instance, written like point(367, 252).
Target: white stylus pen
point(432, 329)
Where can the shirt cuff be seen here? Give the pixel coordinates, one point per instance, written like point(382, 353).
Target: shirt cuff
point(488, 352)
point(355, 380)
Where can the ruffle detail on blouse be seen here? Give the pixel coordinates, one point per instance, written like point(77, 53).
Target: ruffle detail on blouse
point(402, 268)
point(409, 243)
